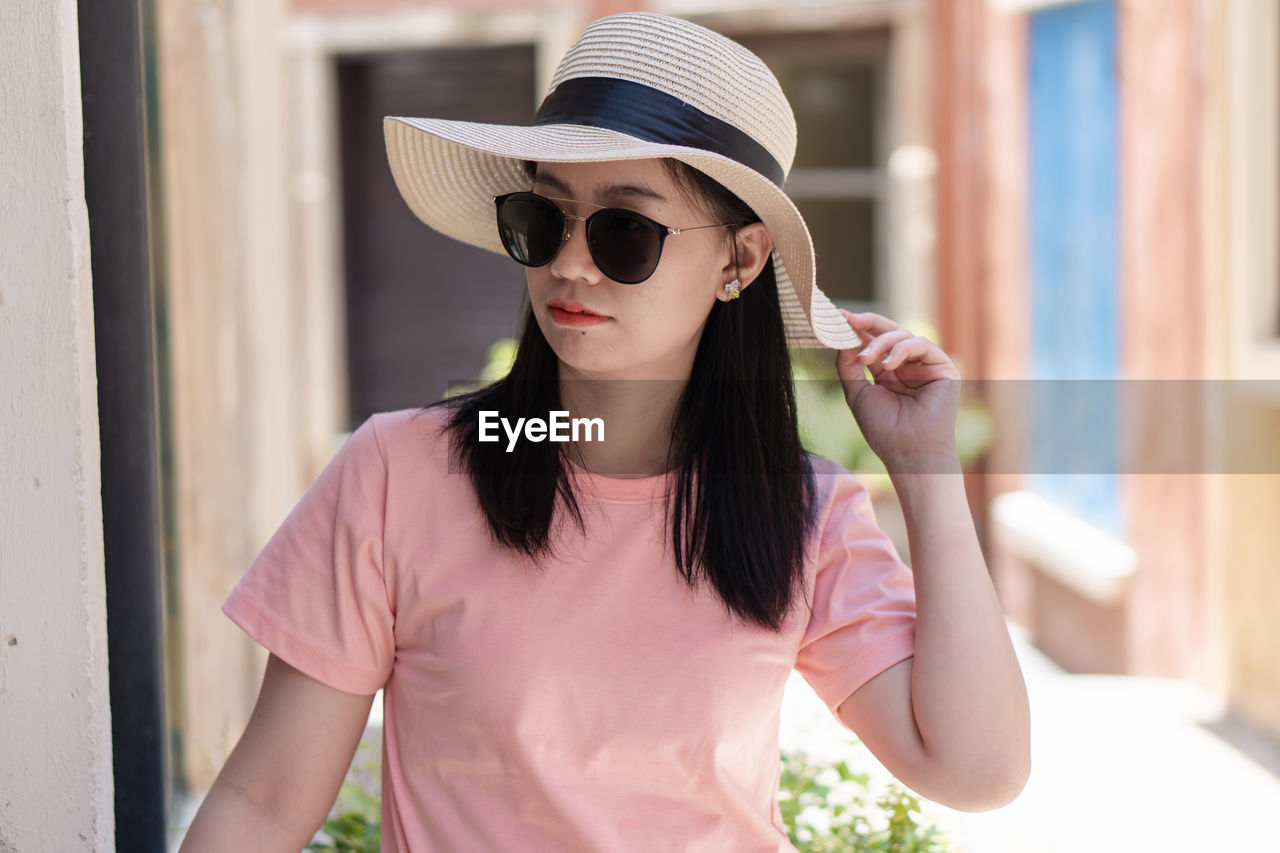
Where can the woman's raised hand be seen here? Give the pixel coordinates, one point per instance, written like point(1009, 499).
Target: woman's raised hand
point(909, 415)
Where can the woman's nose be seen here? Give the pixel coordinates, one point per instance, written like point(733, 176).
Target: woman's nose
point(573, 261)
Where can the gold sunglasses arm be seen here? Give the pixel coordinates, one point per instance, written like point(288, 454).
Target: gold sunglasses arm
point(674, 231)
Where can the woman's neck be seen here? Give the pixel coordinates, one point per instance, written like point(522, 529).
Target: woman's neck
point(638, 416)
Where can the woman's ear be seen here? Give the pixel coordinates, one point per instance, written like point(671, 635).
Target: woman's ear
point(752, 245)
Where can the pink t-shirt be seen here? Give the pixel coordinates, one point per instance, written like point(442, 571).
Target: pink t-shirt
point(599, 704)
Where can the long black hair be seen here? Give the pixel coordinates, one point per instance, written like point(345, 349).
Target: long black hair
point(740, 509)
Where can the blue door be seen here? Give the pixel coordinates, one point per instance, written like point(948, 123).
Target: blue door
point(1074, 231)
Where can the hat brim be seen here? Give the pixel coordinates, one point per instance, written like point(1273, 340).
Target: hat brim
point(449, 171)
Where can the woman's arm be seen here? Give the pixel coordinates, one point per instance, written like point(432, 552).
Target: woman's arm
point(283, 776)
point(953, 723)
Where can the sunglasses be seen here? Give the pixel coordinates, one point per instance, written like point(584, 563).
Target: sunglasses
point(624, 245)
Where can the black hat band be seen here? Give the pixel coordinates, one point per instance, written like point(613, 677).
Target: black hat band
point(654, 116)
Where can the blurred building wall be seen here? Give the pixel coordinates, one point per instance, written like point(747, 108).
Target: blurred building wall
point(232, 333)
point(1184, 587)
point(56, 788)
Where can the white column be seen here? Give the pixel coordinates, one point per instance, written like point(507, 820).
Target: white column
point(56, 789)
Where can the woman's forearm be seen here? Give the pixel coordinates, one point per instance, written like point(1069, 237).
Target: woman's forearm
point(231, 819)
point(967, 690)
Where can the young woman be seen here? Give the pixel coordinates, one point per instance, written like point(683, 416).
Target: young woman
point(583, 643)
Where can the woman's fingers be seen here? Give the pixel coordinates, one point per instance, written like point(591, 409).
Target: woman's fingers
point(878, 333)
point(888, 346)
point(882, 344)
point(913, 348)
point(869, 324)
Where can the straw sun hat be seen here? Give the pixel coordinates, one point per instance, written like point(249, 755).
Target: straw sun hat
point(633, 86)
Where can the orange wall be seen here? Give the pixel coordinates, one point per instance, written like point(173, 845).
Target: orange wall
point(1163, 311)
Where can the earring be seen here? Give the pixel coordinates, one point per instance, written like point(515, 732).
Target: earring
point(734, 289)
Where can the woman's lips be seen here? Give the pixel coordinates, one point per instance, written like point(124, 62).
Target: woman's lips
point(572, 314)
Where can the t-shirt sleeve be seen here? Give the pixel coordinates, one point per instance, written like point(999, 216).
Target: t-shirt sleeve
point(863, 614)
point(315, 595)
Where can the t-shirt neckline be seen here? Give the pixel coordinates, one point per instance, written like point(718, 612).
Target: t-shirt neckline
point(621, 489)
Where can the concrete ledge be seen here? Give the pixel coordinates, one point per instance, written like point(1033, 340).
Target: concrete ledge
point(1071, 551)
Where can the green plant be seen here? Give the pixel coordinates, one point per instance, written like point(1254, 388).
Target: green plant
point(355, 822)
point(500, 357)
point(829, 808)
point(827, 426)
point(358, 830)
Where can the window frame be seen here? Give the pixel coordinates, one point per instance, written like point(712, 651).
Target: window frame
point(905, 214)
point(871, 46)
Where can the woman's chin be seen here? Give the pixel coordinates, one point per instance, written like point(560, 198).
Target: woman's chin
point(586, 356)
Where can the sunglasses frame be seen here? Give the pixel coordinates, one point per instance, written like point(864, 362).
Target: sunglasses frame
point(662, 231)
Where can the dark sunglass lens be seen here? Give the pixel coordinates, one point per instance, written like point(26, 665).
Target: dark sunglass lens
point(531, 228)
point(624, 246)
